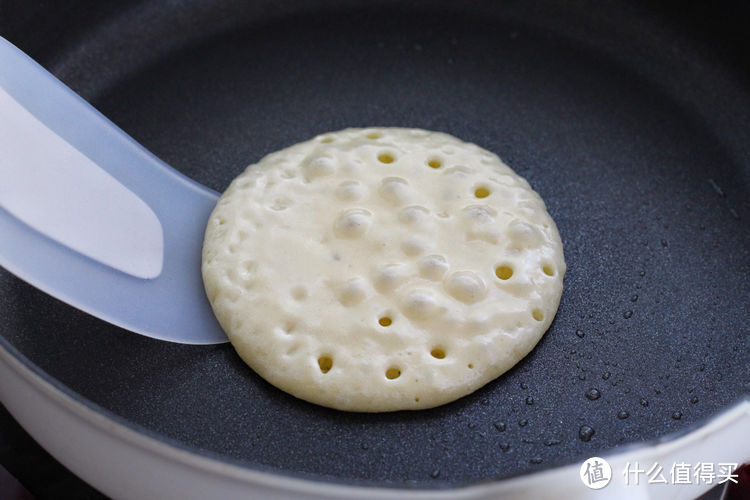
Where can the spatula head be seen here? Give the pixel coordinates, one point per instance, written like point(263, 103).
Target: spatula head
point(92, 218)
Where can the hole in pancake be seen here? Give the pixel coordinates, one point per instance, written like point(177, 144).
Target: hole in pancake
point(435, 163)
point(290, 325)
point(374, 135)
point(393, 373)
point(385, 321)
point(538, 314)
point(548, 270)
point(232, 294)
point(438, 352)
point(482, 192)
point(327, 140)
point(325, 363)
point(470, 366)
point(299, 292)
point(386, 158)
point(293, 349)
point(504, 272)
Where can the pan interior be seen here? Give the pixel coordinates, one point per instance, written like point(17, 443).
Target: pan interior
point(650, 197)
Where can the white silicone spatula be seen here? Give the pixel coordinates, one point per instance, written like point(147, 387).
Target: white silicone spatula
point(91, 217)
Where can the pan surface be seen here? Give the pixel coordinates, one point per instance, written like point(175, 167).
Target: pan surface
point(634, 129)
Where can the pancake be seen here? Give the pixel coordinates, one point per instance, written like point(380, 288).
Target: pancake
point(382, 269)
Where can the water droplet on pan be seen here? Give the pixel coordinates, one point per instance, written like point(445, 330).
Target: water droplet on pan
point(593, 394)
point(717, 188)
point(585, 433)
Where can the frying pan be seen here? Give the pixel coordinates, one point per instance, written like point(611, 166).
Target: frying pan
point(631, 120)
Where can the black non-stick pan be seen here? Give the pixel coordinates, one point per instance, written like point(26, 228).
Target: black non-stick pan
point(631, 120)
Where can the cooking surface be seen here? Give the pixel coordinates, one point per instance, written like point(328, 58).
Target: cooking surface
point(650, 197)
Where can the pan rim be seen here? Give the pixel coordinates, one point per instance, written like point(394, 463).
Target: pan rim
point(196, 469)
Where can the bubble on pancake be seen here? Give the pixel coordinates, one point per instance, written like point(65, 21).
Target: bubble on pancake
point(352, 223)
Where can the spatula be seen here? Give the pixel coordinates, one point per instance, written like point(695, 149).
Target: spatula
point(92, 218)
